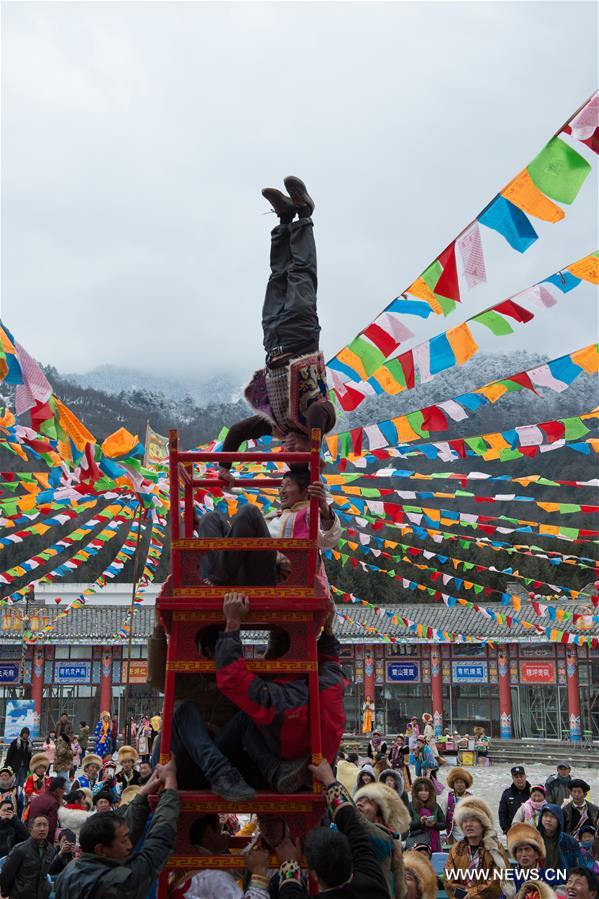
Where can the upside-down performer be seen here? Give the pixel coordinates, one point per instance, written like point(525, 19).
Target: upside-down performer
point(290, 394)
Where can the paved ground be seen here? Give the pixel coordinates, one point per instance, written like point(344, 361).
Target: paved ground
point(489, 783)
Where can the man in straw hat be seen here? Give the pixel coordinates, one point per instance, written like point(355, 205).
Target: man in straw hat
point(526, 845)
point(479, 851)
point(419, 875)
point(459, 782)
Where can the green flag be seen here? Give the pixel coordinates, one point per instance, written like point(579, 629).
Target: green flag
point(559, 171)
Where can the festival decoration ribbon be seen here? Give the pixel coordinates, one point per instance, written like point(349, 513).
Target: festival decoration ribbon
point(557, 173)
point(457, 345)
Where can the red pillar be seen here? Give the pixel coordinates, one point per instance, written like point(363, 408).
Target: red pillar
point(505, 693)
point(369, 682)
point(106, 680)
point(573, 694)
point(37, 678)
point(437, 689)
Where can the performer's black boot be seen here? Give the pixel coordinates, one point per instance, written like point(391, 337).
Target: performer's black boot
point(300, 196)
point(283, 205)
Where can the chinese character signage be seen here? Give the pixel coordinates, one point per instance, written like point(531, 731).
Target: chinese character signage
point(469, 672)
point(138, 672)
point(537, 672)
point(9, 673)
point(403, 672)
point(72, 672)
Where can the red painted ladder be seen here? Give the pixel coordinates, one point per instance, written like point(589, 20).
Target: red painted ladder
point(185, 607)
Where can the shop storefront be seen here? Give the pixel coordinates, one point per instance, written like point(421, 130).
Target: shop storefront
point(526, 688)
point(538, 699)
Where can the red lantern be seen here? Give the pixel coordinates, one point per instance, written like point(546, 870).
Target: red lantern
point(58, 600)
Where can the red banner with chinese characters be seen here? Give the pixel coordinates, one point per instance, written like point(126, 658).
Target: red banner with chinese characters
point(537, 672)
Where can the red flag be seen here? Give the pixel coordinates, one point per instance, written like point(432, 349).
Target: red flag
point(448, 284)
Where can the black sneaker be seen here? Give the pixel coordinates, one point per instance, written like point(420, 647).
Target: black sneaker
point(232, 787)
point(283, 205)
point(292, 776)
point(300, 196)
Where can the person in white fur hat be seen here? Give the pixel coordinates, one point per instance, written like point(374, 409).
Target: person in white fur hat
point(419, 875)
point(128, 776)
point(386, 818)
point(479, 850)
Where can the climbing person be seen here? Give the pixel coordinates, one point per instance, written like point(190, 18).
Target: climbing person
point(290, 394)
point(292, 520)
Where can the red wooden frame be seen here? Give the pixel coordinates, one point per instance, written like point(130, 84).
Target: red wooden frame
point(302, 605)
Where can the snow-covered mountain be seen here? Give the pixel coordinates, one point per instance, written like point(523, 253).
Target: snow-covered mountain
point(115, 379)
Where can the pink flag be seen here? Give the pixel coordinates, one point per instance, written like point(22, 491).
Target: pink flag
point(583, 125)
point(471, 251)
point(538, 295)
point(36, 387)
point(391, 323)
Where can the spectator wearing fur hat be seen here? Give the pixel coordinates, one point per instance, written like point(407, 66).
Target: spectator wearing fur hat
point(530, 811)
point(419, 875)
point(75, 812)
point(535, 889)
point(479, 850)
point(38, 780)
point(128, 795)
point(427, 818)
point(127, 776)
point(579, 811)
point(91, 772)
point(458, 783)
point(525, 844)
point(347, 771)
point(386, 818)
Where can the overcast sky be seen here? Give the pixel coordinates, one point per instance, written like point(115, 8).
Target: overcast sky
point(136, 139)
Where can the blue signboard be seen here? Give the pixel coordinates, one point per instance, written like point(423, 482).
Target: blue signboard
point(72, 672)
point(9, 673)
point(403, 672)
point(469, 672)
